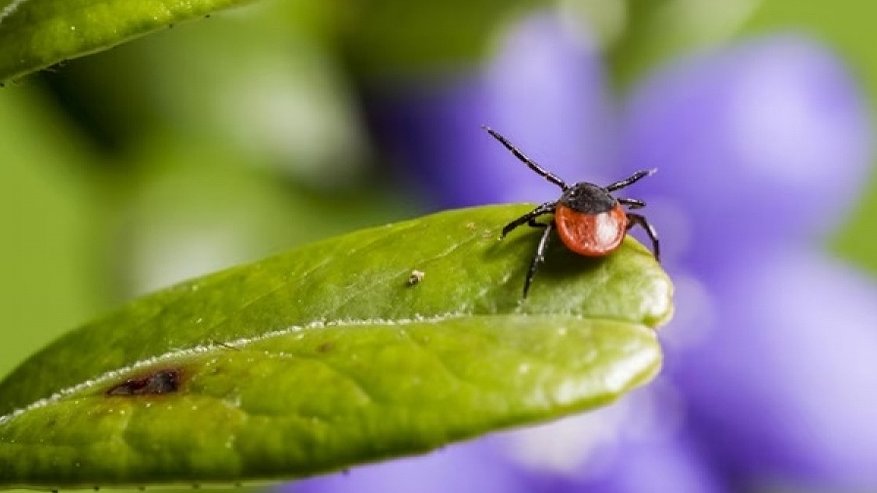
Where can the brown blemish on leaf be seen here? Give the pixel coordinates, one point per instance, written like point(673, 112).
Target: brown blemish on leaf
point(325, 347)
point(164, 381)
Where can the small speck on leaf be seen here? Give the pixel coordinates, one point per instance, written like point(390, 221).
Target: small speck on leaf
point(416, 277)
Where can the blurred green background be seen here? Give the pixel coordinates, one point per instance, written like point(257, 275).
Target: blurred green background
point(227, 139)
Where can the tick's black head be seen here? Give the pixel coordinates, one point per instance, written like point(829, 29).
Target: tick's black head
point(588, 198)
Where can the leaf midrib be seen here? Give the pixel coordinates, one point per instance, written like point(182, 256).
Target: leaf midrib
point(241, 343)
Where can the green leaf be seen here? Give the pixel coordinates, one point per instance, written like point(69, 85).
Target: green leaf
point(35, 34)
point(334, 354)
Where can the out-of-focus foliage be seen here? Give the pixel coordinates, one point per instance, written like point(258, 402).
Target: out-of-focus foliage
point(52, 241)
point(163, 159)
point(398, 37)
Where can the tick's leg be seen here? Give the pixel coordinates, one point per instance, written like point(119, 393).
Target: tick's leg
point(630, 180)
point(529, 162)
point(546, 208)
point(634, 219)
point(632, 203)
point(539, 257)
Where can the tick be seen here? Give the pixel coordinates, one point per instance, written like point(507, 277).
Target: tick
point(588, 219)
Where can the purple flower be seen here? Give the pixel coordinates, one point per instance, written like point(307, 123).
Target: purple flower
point(771, 358)
point(636, 445)
point(763, 147)
point(783, 385)
point(462, 468)
point(764, 142)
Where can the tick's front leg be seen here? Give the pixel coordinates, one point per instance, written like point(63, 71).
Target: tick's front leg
point(539, 257)
point(546, 208)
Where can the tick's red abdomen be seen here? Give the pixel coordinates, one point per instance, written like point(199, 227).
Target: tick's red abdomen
point(591, 235)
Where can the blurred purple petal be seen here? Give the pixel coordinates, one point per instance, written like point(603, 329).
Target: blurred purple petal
point(784, 389)
point(545, 90)
point(633, 446)
point(462, 468)
point(671, 466)
point(764, 141)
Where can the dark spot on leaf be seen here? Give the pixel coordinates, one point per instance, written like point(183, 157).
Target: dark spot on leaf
point(159, 382)
point(326, 347)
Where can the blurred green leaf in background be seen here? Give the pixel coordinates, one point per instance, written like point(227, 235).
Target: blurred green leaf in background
point(50, 255)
